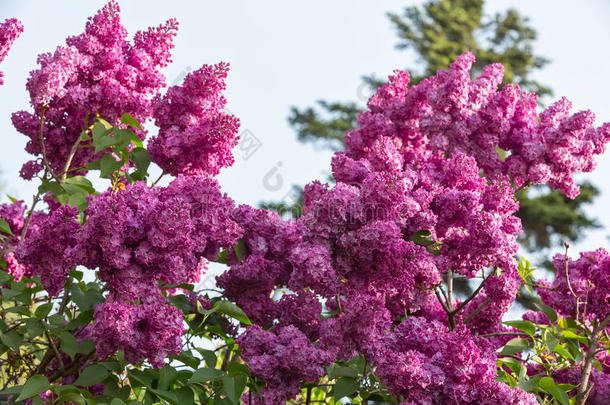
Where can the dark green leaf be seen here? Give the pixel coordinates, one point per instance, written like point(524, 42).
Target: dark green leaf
point(12, 339)
point(233, 387)
point(34, 386)
point(205, 374)
point(423, 238)
point(109, 165)
point(209, 356)
point(345, 387)
point(43, 310)
point(513, 346)
point(92, 375)
point(188, 359)
point(69, 344)
point(548, 311)
point(240, 249)
point(142, 159)
point(341, 371)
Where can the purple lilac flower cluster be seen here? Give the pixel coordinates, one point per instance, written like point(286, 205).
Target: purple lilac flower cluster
point(585, 280)
point(139, 237)
point(427, 364)
point(195, 135)
point(97, 73)
point(450, 112)
point(10, 29)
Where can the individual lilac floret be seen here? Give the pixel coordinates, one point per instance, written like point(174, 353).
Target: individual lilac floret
point(195, 135)
point(10, 29)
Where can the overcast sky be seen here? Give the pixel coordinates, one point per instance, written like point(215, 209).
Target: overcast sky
point(288, 53)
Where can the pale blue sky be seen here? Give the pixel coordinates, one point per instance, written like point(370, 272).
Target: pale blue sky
point(288, 53)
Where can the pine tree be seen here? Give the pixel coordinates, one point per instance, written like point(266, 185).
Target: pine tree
point(437, 32)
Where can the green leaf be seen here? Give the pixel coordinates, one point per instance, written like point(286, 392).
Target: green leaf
point(529, 385)
point(92, 375)
point(548, 311)
point(423, 238)
point(205, 374)
point(69, 344)
point(209, 357)
point(81, 182)
point(128, 119)
point(559, 349)
point(525, 326)
point(550, 340)
point(12, 339)
point(142, 159)
point(167, 377)
point(5, 227)
point(233, 387)
point(568, 334)
point(341, 371)
point(166, 395)
point(109, 165)
point(188, 359)
point(548, 385)
point(43, 310)
point(513, 346)
point(86, 347)
point(240, 249)
point(140, 377)
point(345, 387)
point(235, 368)
point(71, 397)
point(222, 257)
point(232, 310)
point(34, 386)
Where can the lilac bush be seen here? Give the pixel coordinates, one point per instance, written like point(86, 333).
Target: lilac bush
point(355, 299)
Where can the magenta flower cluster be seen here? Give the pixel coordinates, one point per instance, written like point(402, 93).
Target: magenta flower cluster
point(195, 135)
point(97, 73)
point(425, 190)
point(581, 288)
point(10, 29)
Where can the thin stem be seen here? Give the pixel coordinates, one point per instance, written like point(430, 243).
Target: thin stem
point(486, 335)
point(73, 151)
point(158, 179)
point(477, 310)
point(308, 399)
point(450, 290)
point(56, 352)
point(474, 294)
point(584, 389)
point(43, 148)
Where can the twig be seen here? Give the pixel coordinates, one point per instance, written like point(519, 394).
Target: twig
point(583, 388)
point(73, 151)
point(158, 178)
point(477, 310)
point(474, 294)
point(54, 348)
